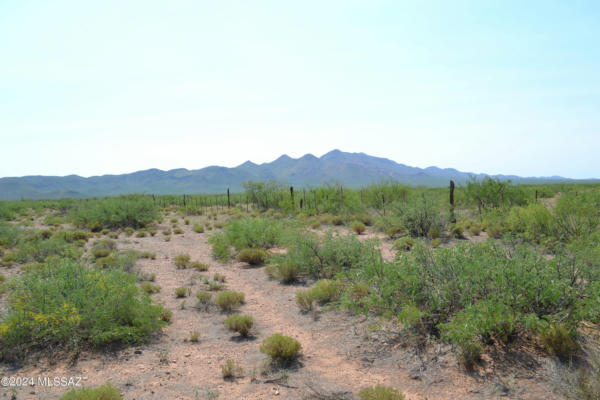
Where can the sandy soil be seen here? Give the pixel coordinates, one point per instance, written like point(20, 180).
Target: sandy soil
point(341, 352)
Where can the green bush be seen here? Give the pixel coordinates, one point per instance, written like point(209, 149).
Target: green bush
point(240, 324)
point(473, 293)
point(228, 300)
point(68, 305)
point(221, 249)
point(310, 255)
point(380, 392)
point(253, 256)
point(134, 211)
point(104, 392)
point(254, 233)
point(281, 348)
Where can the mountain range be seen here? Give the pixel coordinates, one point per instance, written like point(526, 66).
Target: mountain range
point(350, 169)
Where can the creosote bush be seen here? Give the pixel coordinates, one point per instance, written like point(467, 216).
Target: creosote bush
point(104, 392)
point(304, 300)
point(240, 324)
point(560, 340)
point(198, 228)
point(380, 392)
point(228, 300)
point(253, 256)
point(404, 244)
point(181, 292)
point(281, 348)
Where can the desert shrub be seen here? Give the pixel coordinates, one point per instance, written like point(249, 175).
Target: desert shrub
point(533, 221)
point(166, 315)
point(435, 243)
point(457, 231)
point(493, 193)
point(219, 278)
point(198, 266)
point(253, 256)
point(166, 232)
point(182, 260)
point(204, 298)
point(560, 340)
point(310, 255)
point(149, 288)
point(336, 220)
point(198, 228)
point(174, 220)
point(181, 292)
point(167, 238)
point(221, 249)
point(380, 392)
point(420, 216)
point(358, 227)
point(281, 348)
point(97, 253)
point(255, 233)
point(186, 221)
point(404, 244)
point(576, 215)
point(230, 369)
point(152, 232)
point(37, 249)
point(134, 211)
point(124, 260)
point(240, 324)
point(215, 286)
point(474, 293)
point(104, 392)
point(286, 271)
point(178, 231)
point(128, 231)
point(326, 290)
point(147, 254)
point(304, 300)
point(194, 336)
point(9, 234)
point(68, 305)
point(475, 229)
point(228, 300)
point(141, 233)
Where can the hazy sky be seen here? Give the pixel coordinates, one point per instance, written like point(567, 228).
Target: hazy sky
point(95, 87)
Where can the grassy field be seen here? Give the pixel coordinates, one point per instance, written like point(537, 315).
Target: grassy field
point(502, 270)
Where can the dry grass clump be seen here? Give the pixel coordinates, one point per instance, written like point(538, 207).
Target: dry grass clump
point(281, 348)
point(182, 260)
point(229, 300)
point(181, 292)
point(380, 392)
point(231, 370)
point(240, 324)
point(198, 266)
point(253, 256)
point(358, 227)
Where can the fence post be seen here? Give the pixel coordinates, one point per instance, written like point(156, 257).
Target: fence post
point(452, 193)
point(228, 202)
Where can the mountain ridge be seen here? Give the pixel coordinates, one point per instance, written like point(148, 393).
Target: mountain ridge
point(351, 169)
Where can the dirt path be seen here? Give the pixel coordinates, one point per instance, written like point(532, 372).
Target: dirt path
point(341, 353)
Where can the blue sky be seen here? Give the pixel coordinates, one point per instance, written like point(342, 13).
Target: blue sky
point(117, 86)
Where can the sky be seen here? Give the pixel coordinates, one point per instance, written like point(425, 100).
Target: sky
point(108, 87)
